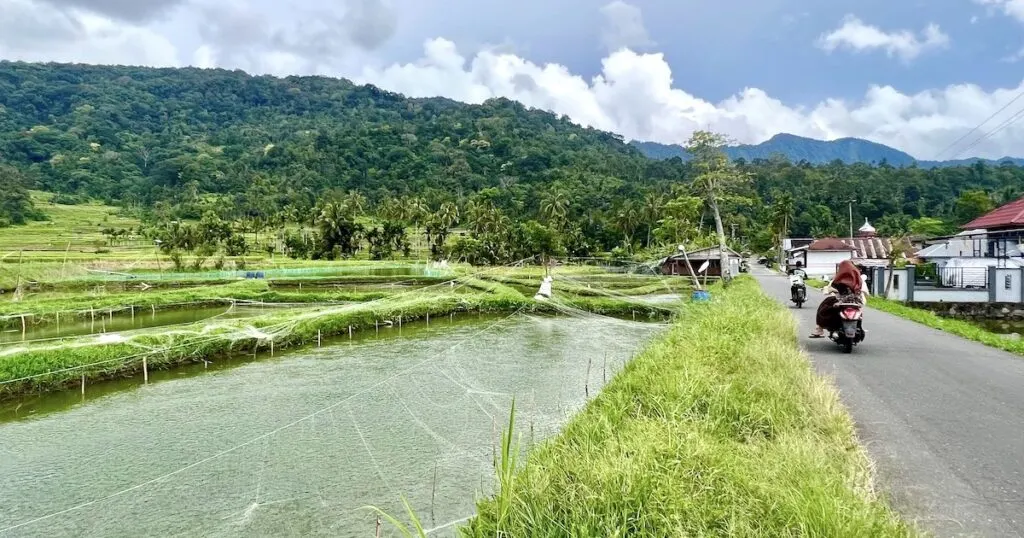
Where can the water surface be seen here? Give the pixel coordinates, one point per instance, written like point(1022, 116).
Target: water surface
point(296, 444)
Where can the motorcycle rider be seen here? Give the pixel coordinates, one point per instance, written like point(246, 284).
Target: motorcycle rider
point(848, 281)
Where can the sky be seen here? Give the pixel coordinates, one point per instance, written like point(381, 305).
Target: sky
point(922, 76)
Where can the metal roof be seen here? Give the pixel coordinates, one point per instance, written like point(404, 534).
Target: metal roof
point(1011, 214)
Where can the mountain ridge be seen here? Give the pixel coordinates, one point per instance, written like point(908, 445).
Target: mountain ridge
point(798, 148)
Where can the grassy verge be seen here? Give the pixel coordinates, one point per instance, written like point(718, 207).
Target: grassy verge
point(958, 327)
point(721, 428)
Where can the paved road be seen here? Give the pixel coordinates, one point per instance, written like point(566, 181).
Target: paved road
point(942, 417)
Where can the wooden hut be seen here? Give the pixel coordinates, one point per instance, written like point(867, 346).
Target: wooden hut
point(676, 263)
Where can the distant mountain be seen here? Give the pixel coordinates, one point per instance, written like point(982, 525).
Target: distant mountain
point(798, 148)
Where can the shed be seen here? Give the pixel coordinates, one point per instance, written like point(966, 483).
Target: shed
point(676, 263)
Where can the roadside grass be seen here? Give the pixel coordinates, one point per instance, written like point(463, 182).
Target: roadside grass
point(963, 329)
point(720, 428)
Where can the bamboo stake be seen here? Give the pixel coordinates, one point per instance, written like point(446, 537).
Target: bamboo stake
point(319, 338)
point(23, 326)
point(604, 369)
point(433, 492)
point(83, 384)
point(378, 527)
point(586, 384)
point(349, 332)
point(145, 371)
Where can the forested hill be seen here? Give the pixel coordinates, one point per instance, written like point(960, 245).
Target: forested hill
point(798, 148)
point(257, 152)
point(141, 135)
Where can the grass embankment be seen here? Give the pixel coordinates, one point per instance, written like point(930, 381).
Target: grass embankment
point(49, 366)
point(70, 305)
point(720, 428)
point(963, 329)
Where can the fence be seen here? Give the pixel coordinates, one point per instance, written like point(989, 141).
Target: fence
point(974, 278)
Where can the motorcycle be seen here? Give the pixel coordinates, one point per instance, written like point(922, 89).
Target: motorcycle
point(797, 288)
point(851, 333)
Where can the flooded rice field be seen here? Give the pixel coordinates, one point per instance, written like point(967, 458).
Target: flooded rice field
point(301, 443)
point(122, 321)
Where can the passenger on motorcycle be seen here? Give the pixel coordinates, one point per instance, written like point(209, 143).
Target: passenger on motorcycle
point(847, 284)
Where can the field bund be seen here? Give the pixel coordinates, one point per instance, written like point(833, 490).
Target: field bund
point(720, 428)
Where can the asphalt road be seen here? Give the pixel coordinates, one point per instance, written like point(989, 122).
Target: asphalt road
point(942, 418)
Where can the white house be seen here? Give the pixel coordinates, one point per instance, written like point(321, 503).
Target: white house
point(820, 258)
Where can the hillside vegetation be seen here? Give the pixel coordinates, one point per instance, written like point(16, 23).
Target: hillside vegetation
point(361, 169)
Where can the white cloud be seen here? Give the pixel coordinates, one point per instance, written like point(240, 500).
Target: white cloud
point(32, 32)
point(1012, 8)
point(855, 35)
point(635, 96)
point(624, 27)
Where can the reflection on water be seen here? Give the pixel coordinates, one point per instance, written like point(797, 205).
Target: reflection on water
point(296, 444)
point(1000, 326)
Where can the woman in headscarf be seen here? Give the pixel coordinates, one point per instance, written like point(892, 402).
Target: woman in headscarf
point(847, 282)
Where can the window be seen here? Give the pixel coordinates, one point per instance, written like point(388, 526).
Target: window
point(896, 282)
point(1008, 282)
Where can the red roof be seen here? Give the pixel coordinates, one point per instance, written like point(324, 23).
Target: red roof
point(830, 244)
point(1009, 215)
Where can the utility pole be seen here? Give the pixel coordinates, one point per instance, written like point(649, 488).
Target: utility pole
point(851, 218)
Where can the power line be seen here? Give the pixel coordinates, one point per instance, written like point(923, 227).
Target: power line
point(1008, 122)
point(969, 133)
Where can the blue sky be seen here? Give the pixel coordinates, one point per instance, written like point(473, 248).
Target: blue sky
point(912, 74)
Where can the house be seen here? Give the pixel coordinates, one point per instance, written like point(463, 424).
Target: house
point(676, 263)
point(995, 239)
point(820, 258)
point(961, 245)
point(873, 251)
point(999, 233)
point(865, 250)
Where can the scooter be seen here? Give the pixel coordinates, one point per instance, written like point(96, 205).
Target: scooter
point(851, 333)
point(797, 288)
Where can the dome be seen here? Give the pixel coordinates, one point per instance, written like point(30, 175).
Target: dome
point(867, 229)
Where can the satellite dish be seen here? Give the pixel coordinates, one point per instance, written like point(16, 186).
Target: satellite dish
point(704, 266)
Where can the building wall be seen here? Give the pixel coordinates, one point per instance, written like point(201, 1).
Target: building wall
point(822, 264)
point(900, 283)
point(950, 296)
point(1008, 285)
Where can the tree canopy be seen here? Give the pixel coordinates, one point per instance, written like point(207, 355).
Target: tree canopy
point(257, 152)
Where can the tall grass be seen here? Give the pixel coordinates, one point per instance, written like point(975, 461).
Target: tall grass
point(720, 428)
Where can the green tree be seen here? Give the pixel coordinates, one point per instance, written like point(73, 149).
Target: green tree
point(714, 177)
point(971, 205)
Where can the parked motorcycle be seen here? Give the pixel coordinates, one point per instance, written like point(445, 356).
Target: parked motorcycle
point(797, 287)
point(851, 333)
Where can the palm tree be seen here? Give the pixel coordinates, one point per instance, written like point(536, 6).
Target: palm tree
point(355, 202)
point(628, 217)
point(781, 215)
point(415, 212)
point(448, 214)
point(651, 212)
point(555, 207)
